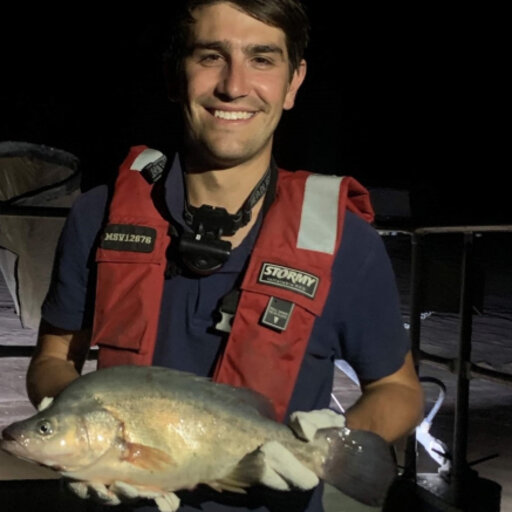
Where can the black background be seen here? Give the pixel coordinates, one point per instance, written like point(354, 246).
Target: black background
point(381, 102)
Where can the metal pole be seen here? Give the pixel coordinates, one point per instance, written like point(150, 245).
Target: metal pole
point(415, 326)
point(460, 436)
point(416, 282)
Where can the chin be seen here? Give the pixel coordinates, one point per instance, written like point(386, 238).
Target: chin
point(233, 156)
point(219, 159)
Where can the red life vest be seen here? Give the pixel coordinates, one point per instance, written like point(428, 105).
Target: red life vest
point(284, 289)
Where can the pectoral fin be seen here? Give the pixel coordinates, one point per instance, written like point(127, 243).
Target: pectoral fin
point(146, 457)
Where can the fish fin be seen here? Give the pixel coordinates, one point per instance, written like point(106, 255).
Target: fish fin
point(146, 457)
point(227, 484)
point(358, 463)
point(215, 486)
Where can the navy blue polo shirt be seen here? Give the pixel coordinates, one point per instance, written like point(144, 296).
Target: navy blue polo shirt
point(360, 323)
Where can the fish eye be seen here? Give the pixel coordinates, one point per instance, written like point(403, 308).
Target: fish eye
point(44, 427)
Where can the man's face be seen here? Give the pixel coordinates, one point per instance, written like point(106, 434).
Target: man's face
point(237, 83)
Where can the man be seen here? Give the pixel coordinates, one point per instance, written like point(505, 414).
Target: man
point(238, 66)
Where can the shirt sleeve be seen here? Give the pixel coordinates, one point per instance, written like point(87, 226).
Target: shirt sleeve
point(69, 301)
point(372, 334)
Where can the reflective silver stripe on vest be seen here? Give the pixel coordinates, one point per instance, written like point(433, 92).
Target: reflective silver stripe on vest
point(146, 157)
point(319, 220)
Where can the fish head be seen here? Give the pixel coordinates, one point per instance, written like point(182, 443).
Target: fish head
point(62, 440)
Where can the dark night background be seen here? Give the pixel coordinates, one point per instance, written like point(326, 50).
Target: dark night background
point(379, 103)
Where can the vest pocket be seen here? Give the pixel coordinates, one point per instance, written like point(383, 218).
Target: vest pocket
point(128, 299)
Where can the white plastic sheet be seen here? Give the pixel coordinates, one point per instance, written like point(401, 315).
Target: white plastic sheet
point(32, 175)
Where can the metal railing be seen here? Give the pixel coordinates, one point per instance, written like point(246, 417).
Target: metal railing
point(461, 365)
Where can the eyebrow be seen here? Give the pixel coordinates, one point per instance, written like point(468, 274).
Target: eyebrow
point(226, 46)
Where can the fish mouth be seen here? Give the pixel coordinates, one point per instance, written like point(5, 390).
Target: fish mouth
point(9, 443)
point(7, 436)
point(15, 448)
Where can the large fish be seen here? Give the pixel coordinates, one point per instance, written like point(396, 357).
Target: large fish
point(164, 430)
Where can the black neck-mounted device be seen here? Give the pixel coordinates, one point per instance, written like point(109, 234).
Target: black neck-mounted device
point(202, 251)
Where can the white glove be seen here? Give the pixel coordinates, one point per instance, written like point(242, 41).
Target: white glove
point(305, 424)
point(281, 469)
point(121, 492)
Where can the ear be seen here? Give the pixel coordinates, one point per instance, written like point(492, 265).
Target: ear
point(298, 77)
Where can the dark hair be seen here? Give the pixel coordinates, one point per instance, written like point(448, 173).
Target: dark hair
point(288, 15)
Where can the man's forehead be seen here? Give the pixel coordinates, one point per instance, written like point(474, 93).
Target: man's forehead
point(227, 24)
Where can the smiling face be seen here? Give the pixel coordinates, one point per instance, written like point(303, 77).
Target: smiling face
point(237, 83)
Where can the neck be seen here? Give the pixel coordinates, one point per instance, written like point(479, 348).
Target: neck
point(227, 188)
point(223, 187)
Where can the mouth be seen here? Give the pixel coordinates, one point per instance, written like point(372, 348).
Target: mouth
point(232, 115)
point(9, 443)
point(13, 447)
point(6, 435)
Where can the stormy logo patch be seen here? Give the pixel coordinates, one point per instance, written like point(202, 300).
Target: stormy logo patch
point(128, 237)
point(289, 278)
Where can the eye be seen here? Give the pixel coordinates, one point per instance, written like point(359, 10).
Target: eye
point(262, 62)
point(44, 427)
point(210, 58)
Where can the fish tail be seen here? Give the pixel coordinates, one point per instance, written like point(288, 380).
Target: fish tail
point(358, 463)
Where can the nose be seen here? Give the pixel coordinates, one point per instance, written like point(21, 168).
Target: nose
point(234, 81)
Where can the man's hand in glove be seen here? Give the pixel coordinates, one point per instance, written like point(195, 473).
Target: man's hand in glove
point(121, 492)
point(278, 467)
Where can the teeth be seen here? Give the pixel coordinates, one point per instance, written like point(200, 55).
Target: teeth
point(223, 114)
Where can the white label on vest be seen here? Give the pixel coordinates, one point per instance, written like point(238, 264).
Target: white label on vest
point(277, 314)
point(128, 237)
point(289, 278)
